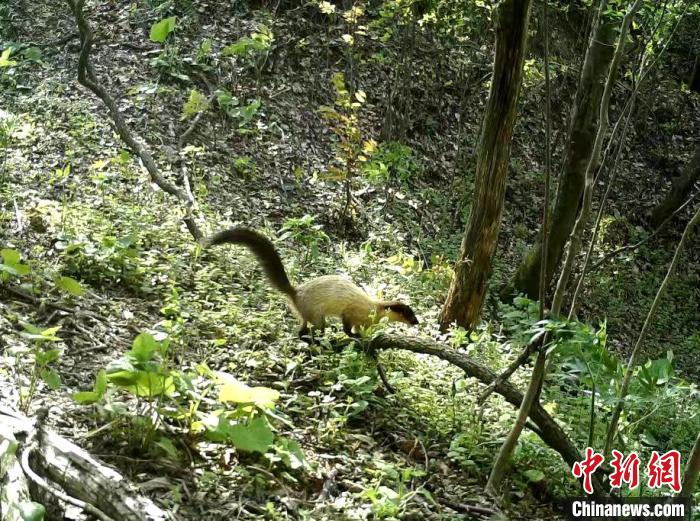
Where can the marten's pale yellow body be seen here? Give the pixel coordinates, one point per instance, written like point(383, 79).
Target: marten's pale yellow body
point(336, 296)
point(316, 299)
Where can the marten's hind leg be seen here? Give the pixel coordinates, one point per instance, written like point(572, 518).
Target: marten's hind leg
point(305, 333)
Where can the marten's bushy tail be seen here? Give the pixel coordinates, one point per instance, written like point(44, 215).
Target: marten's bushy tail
point(263, 249)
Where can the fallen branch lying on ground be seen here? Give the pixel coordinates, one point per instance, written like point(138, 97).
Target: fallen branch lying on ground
point(549, 430)
point(64, 472)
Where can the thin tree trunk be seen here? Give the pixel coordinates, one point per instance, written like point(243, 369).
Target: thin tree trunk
point(612, 427)
point(584, 122)
point(466, 295)
point(549, 430)
point(694, 82)
point(692, 469)
point(500, 465)
point(582, 219)
point(681, 186)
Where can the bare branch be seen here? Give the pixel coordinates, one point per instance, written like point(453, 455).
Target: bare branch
point(86, 77)
point(624, 388)
point(550, 431)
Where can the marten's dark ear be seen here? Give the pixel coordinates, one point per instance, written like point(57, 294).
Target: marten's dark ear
point(405, 311)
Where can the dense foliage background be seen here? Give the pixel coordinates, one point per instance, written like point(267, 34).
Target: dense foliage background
point(349, 133)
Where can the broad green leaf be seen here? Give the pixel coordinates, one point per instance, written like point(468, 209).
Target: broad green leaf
point(32, 54)
point(70, 285)
point(46, 357)
point(255, 436)
point(9, 269)
point(220, 433)
point(101, 383)
point(143, 347)
point(168, 447)
point(10, 256)
point(291, 453)
point(196, 103)
point(161, 30)
point(150, 385)
point(5, 58)
point(52, 378)
point(86, 397)
point(121, 372)
point(35, 333)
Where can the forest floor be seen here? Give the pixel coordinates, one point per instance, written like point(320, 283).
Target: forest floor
point(76, 204)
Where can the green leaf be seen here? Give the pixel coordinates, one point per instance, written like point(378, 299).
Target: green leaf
point(5, 58)
point(31, 511)
point(143, 347)
point(101, 383)
point(534, 475)
point(35, 333)
point(161, 30)
point(70, 285)
point(168, 447)
point(150, 385)
point(86, 397)
point(255, 436)
point(196, 103)
point(46, 357)
point(291, 453)
point(52, 379)
point(32, 54)
point(10, 256)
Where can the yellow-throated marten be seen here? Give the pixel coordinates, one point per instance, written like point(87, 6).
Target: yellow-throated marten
point(313, 301)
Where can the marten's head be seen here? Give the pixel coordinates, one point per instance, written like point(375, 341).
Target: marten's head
point(400, 312)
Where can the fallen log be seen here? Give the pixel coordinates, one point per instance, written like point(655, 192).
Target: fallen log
point(33, 458)
point(548, 429)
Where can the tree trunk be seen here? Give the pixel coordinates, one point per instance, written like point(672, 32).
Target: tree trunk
point(694, 82)
point(681, 186)
point(468, 288)
point(692, 469)
point(584, 122)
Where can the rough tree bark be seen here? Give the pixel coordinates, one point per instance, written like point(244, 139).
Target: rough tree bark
point(694, 82)
point(584, 122)
point(466, 295)
point(681, 186)
point(576, 236)
point(61, 473)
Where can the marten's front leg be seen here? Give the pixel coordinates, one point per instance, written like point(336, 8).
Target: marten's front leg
point(347, 328)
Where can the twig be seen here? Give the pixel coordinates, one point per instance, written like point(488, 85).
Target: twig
point(624, 388)
point(382, 375)
point(533, 345)
point(647, 238)
point(472, 510)
point(604, 199)
point(54, 305)
point(86, 77)
point(550, 431)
